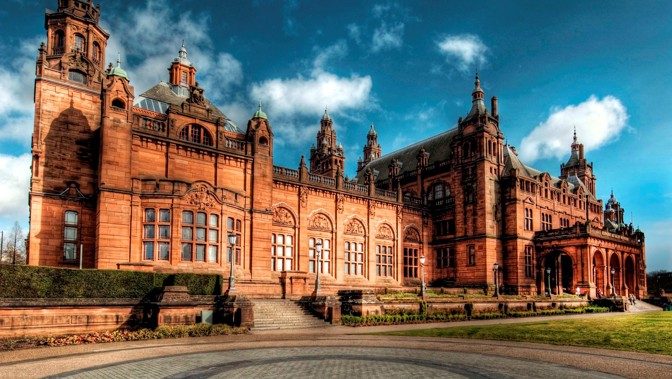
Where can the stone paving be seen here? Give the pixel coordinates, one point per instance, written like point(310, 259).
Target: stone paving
point(334, 352)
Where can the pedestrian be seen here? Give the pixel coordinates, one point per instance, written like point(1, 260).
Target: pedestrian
point(578, 291)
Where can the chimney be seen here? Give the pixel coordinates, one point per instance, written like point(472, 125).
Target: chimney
point(581, 151)
point(495, 110)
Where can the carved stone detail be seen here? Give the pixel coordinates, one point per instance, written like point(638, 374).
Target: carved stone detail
point(201, 197)
point(320, 222)
point(385, 232)
point(372, 209)
point(412, 235)
point(340, 203)
point(282, 216)
point(354, 227)
point(303, 197)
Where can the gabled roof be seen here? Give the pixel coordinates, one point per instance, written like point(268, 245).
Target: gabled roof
point(511, 161)
point(437, 146)
point(161, 96)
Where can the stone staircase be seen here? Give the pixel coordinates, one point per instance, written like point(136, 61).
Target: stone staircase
point(272, 314)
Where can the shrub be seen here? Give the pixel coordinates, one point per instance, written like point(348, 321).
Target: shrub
point(50, 282)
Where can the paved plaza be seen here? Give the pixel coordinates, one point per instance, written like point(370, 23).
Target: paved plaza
point(332, 352)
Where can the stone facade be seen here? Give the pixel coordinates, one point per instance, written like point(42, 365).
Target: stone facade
point(158, 182)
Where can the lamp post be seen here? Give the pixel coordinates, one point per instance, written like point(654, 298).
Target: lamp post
point(232, 280)
point(613, 291)
point(548, 280)
point(495, 270)
point(423, 288)
point(318, 253)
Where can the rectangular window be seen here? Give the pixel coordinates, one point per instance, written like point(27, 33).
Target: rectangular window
point(546, 221)
point(354, 258)
point(528, 219)
point(384, 261)
point(282, 252)
point(411, 262)
point(471, 255)
point(156, 234)
point(529, 261)
point(445, 257)
point(324, 264)
point(200, 237)
point(70, 236)
point(234, 226)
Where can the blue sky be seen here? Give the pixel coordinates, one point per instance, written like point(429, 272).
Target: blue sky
point(406, 66)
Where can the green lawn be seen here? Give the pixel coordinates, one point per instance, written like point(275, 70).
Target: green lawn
point(647, 333)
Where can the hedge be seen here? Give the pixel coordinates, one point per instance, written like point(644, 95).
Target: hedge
point(18, 281)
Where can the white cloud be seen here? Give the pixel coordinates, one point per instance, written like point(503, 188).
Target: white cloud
point(355, 32)
point(15, 176)
point(387, 37)
point(291, 103)
point(465, 51)
point(287, 97)
point(142, 36)
point(598, 122)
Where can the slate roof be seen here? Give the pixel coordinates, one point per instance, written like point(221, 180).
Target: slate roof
point(162, 95)
point(437, 146)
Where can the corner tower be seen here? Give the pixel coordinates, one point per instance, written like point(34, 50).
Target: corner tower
point(372, 149)
point(578, 166)
point(327, 158)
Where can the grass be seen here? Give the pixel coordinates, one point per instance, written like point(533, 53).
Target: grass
point(646, 333)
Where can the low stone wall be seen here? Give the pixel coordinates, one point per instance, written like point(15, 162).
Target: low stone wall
point(170, 306)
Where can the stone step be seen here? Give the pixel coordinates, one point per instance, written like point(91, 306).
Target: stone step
point(274, 314)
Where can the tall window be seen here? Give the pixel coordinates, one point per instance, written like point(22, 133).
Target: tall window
point(471, 255)
point(445, 257)
point(70, 235)
point(411, 262)
point(156, 234)
point(282, 252)
point(384, 260)
point(59, 42)
point(546, 221)
point(325, 257)
point(200, 237)
point(528, 219)
point(529, 261)
point(80, 44)
point(354, 258)
point(96, 56)
point(234, 226)
point(197, 134)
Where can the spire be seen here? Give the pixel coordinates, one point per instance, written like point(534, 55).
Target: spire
point(182, 56)
point(326, 115)
point(477, 94)
point(478, 105)
point(372, 130)
point(575, 141)
point(259, 113)
point(118, 71)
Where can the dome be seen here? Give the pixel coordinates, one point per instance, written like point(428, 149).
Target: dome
point(118, 71)
point(259, 113)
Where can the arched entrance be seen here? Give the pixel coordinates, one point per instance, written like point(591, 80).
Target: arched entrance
point(614, 275)
point(598, 274)
point(557, 273)
point(630, 274)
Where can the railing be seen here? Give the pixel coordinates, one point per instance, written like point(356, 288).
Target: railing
point(286, 172)
point(234, 144)
point(386, 193)
point(413, 200)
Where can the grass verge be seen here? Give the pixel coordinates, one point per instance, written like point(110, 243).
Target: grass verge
point(646, 333)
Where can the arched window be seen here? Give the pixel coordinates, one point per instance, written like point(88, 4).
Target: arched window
point(59, 42)
point(80, 43)
point(118, 103)
point(197, 134)
point(77, 76)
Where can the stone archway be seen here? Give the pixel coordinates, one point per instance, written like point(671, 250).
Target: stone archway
point(598, 273)
point(557, 272)
point(629, 273)
point(615, 282)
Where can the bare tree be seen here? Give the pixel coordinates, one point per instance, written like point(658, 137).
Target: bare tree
point(15, 245)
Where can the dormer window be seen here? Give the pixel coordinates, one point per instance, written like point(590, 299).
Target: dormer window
point(119, 104)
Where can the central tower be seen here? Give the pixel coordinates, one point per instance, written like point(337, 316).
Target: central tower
point(327, 158)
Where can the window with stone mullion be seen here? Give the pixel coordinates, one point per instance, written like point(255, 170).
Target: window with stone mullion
point(384, 261)
point(411, 262)
point(282, 252)
point(325, 256)
point(156, 234)
point(354, 258)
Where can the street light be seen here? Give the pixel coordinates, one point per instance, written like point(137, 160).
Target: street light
point(495, 269)
point(613, 291)
point(232, 280)
point(423, 288)
point(548, 280)
point(318, 252)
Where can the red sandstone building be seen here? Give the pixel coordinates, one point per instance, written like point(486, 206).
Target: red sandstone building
point(157, 182)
